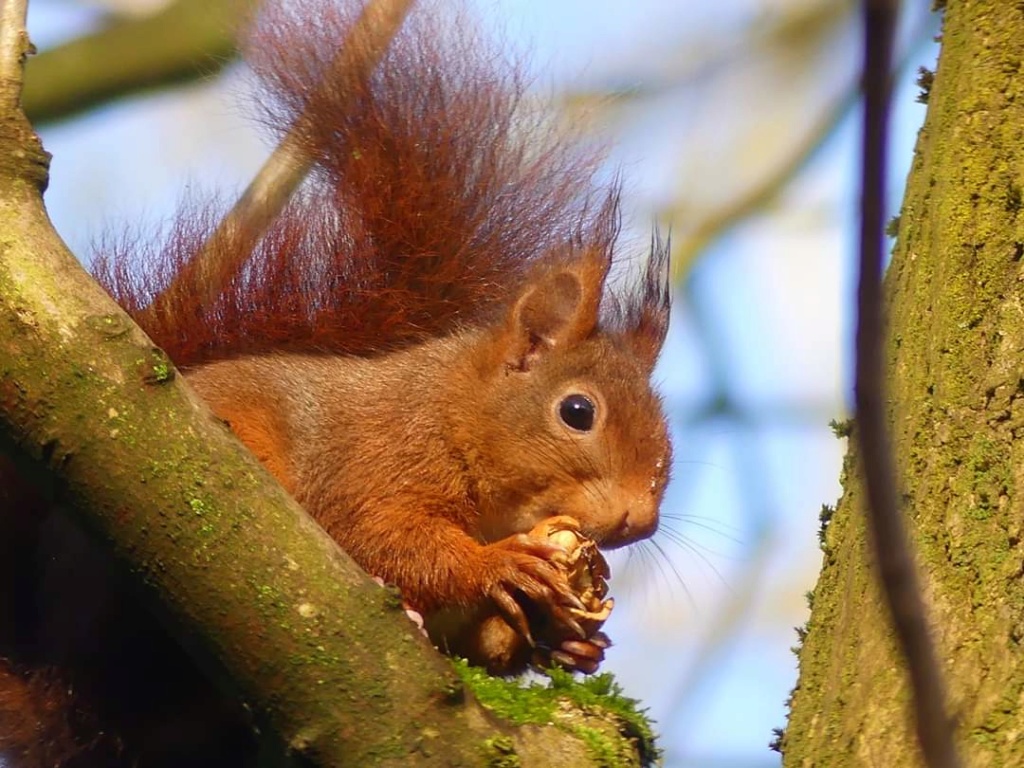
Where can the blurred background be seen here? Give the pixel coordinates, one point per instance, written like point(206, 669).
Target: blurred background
point(736, 124)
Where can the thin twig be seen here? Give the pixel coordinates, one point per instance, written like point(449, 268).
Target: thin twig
point(768, 188)
point(763, 191)
point(891, 545)
point(13, 47)
point(267, 194)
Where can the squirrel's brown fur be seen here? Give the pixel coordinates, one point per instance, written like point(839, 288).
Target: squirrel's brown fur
point(397, 350)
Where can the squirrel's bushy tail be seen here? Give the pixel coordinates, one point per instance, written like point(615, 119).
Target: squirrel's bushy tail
point(435, 185)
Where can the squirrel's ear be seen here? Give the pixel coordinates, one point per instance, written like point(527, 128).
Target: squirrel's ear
point(556, 308)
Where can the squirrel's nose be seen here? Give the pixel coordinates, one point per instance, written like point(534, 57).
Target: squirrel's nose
point(636, 523)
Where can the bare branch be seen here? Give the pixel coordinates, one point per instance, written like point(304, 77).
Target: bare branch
point(892, 549)
point(763, 192)
point(13, 47)
point(183, 41)
point(690, 246)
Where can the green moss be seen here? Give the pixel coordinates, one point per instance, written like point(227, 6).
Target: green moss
point(1002, 717)
point(162, 372)
point(500, 752)
point(265, 593)
point(453, 690)
point(1014, 200)
point(156, 369)
point(925, 79)
point(108, 327)
point(392, 599)
point(536, 703)
point(604, 751)
point(824, 518)
point(602, 691)
point(508, 699)
point(841, 427)
point(990, 472)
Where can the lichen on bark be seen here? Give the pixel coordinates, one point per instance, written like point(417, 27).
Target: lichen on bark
point(955, 301)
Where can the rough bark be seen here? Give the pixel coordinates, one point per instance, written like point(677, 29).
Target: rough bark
point(956, 370)
point(257, 589)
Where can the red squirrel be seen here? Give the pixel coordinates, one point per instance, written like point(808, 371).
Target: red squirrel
point(424, 348)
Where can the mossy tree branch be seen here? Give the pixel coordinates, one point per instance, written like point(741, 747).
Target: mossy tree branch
point(327, 656)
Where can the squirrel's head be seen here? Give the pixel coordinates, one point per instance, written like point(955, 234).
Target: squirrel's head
point(566, 395)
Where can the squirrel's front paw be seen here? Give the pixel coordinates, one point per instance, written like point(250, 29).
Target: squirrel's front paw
point(524, 566)
point(587, 573)
point(562, 614)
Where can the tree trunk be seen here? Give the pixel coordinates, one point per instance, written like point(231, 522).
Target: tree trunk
point(956, 373)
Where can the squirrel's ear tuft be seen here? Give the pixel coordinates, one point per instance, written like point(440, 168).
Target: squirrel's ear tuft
point(557, 307)
point(642, 315)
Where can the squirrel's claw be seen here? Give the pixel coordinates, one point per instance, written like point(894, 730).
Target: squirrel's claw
point(578, 656)
point(564, 619)
point(583, 649)
point(601, 640)
point(513, 614)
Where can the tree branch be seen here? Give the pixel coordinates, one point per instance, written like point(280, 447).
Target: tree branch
point(301, 631)
point(890, 543)
point(13, 47)
point(184, 41)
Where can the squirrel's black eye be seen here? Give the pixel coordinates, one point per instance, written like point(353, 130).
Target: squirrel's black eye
point(577, 411)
